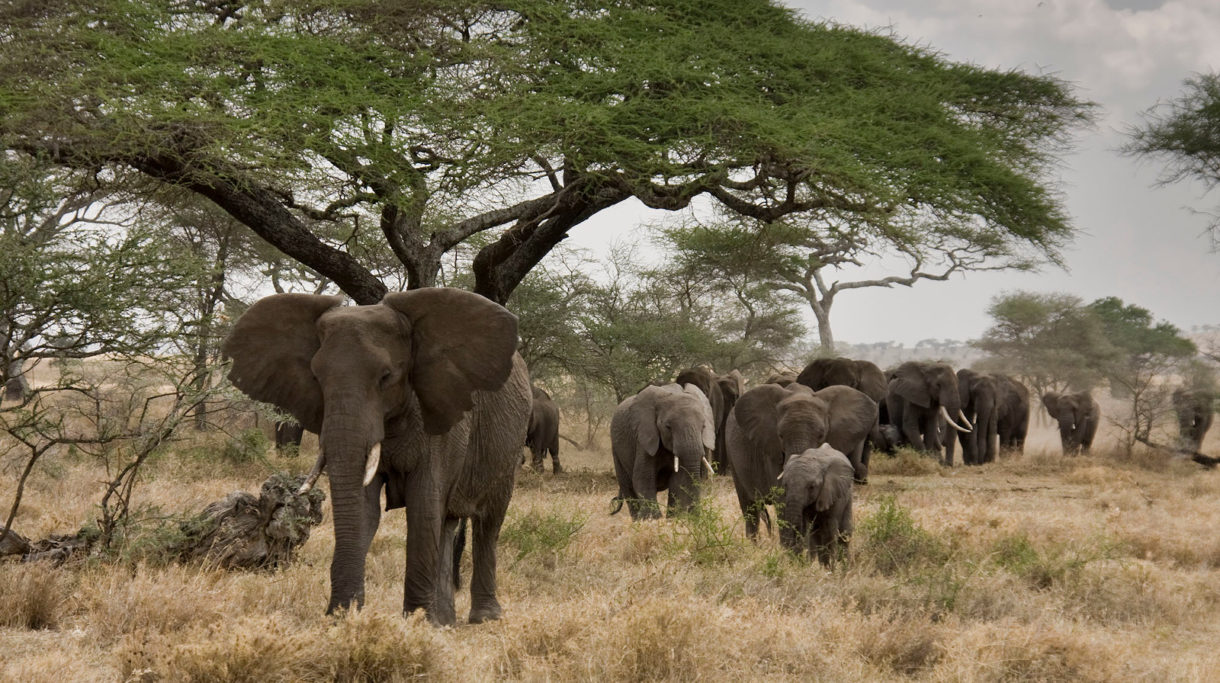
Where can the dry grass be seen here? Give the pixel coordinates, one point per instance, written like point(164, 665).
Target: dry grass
point(1093, 568)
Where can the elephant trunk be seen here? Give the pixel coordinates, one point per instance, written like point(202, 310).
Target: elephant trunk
point(688, 460)
point(792, 528)
point(349, 443)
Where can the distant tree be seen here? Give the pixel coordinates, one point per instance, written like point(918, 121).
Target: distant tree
point(1147, 353)
point(1050, 342)
point(1184, 133)
point(330, 126)
point(803, 256)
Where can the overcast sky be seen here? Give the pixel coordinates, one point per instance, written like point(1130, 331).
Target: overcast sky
point(1137, 241)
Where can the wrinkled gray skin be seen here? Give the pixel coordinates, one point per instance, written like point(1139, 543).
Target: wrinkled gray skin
point(542, 437)
point(706, 380)
point(771, 423)
point(434, 377)
point(1078, 415)
point(1195, 411)
point(857, 374)
point(648, 431)
point(817, 504)
point(1012, 413)
point(917, 391)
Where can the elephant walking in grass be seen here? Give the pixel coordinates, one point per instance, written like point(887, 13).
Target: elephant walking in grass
point(542, 437)
point(422, 395)
point(771, 423)
point(919, 396)
point(1195, 410)
point(660, 439)
point(817, 503)
point(1078, 416)
point(1012, 413)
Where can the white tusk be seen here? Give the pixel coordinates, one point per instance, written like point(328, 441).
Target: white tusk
point(965, 420)
point(314, 473)
point(781, 476)
point(707, 464)
point(675, 463)
point(945, 413)
point(370, 466)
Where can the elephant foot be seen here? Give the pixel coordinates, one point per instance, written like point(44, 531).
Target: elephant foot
point(862, 482)
point(482, 613)
point(557, 469)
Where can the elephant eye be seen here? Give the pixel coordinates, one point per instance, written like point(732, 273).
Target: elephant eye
point(385, 377)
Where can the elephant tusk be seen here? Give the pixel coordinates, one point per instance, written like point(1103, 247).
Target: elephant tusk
point(965, 420)
point(675, 463)
point(781, 476)
point(707, 464)
point(370, 466)
point(314, 473)
point(945, 413)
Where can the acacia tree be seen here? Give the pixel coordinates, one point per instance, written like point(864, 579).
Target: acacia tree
point(1184, 132)
point(802, 258)
point(325, 124)
point(1051, 342)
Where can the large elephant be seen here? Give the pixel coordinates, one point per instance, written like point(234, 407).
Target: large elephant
point(857, 374)
point(1195, 409)
point(817, 503)
point(1012, 415)
point(1078, 416)
point(771, 423)
point(422, 394)
point(980, 399)
point(660, 438)
point(542, 437)
point(920, 394)
point(708, 383)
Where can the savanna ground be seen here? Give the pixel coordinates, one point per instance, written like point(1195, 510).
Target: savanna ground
point(1038, 567)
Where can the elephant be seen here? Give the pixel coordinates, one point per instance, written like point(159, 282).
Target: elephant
point(423, 395)
point(706, 380)
point(771, 423)
point(1194, 409)
point(980, 400)
point(920, 394)
point(857, 374)
point(817, 503)
point(782, 378)
point(1078, 415)
point(1012, 415)
point(542, 437)
point(660, 438)
point(288, 433)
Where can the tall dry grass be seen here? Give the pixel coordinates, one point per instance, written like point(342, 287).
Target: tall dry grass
point(1095, 568)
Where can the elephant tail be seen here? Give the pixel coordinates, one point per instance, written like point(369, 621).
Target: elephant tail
point(616, 504)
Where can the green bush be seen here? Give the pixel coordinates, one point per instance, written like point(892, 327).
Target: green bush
point(249, 446)
point(544, 534)
point(894, 542)
point(705, 535)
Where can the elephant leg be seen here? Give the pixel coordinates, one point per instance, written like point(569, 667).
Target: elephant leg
point(425, 522)
point(823, 538)
point(443, 611)
point(556, 468)
point(1067, 437)
point(538, 454)
point(644, 481)
point(866, 454)
point(483, 603)
point(859, 464)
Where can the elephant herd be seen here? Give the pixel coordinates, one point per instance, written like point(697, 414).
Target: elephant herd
point(423, 397)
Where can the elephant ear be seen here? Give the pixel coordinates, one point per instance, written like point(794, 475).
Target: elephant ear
point(910, 384)
point(271, 345)
point(708, 433)
point(460, 343)
point(836, 479)
point(643, 412)
point(758, 416)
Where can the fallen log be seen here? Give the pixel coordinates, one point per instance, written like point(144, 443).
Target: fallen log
point(1204, 460)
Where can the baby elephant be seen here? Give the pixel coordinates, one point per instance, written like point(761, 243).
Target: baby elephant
point(817, 503)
